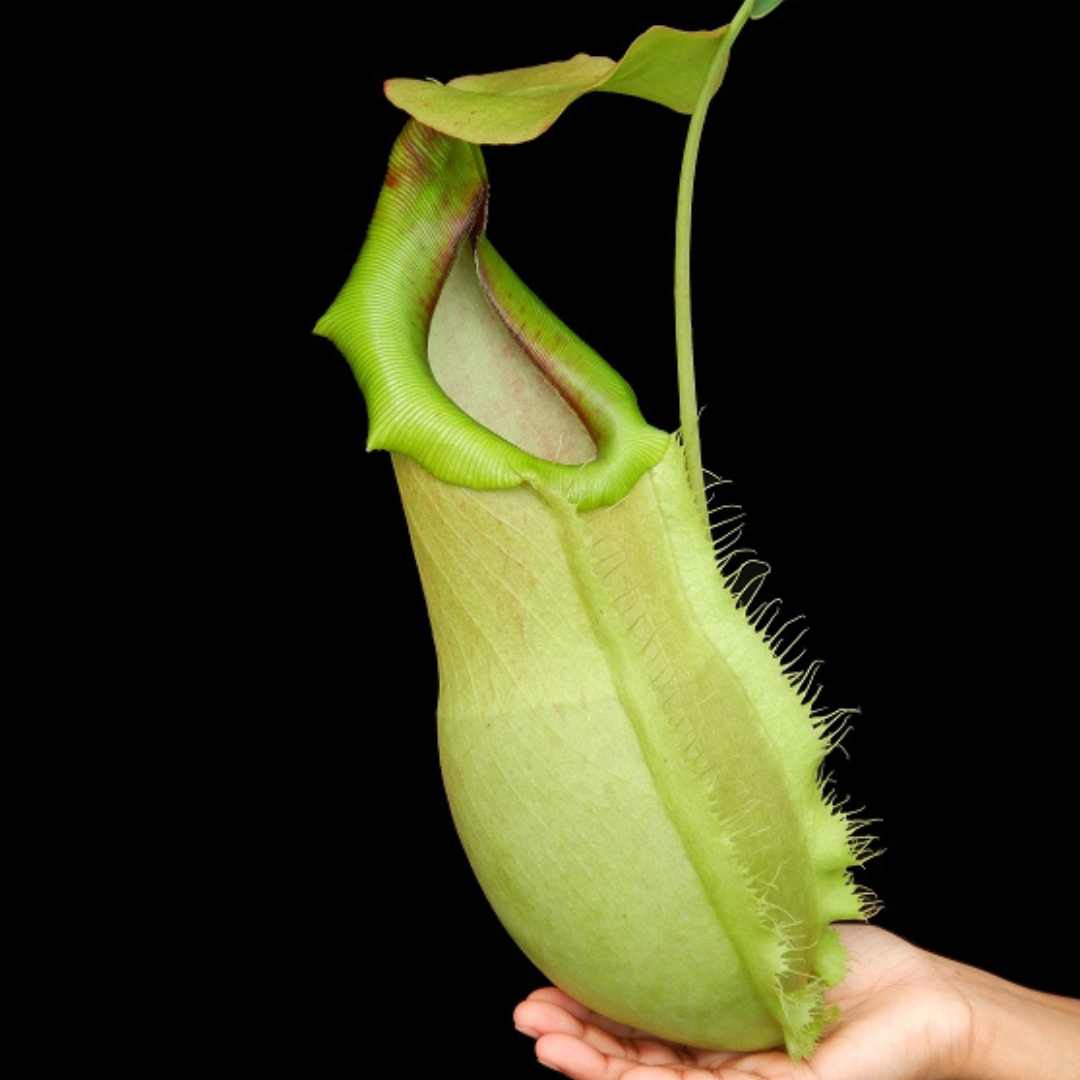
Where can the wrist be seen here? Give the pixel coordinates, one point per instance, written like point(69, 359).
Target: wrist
point(1014, 1031)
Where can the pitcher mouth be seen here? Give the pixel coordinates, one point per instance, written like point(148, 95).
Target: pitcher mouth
point(462, 367)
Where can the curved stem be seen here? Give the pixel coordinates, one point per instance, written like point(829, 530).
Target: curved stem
point(684, 346)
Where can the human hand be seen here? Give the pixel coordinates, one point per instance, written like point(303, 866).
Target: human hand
point(905, 1014)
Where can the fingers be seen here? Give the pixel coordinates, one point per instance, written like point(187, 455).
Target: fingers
point(551, 1013)
point(586, 1046)
point(578, 1059)
point(581, 1061)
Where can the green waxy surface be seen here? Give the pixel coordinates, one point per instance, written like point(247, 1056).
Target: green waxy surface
point(631, 771)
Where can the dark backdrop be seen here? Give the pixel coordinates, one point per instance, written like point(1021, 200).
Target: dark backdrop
point(879, 352)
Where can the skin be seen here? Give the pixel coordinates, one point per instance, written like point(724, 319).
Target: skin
point(905, 1014)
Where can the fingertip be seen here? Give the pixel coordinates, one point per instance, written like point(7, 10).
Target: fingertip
point(539, 1016)
point(569, 1055)
point(522, 1019)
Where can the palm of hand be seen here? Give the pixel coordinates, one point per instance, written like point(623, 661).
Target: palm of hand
point(900, 1017)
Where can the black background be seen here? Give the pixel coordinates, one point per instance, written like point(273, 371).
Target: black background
point(880, 345)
